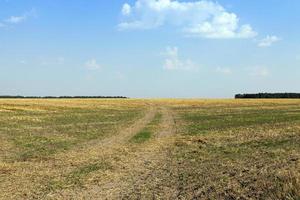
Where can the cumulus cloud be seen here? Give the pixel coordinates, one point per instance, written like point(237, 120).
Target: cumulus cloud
point(268, 41)
point(200, 18)
point(173, 62)
point(92, 64)
point(224, 70)
point(126, 10)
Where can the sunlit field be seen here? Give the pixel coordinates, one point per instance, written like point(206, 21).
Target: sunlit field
point(149, 149)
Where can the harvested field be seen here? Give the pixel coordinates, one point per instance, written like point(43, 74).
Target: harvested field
point(149, 149)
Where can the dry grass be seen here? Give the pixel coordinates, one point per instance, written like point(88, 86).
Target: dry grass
point(149, 149)
point(239, 149)
point(37, 153)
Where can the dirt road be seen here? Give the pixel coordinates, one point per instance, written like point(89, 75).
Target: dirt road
point(136, 171)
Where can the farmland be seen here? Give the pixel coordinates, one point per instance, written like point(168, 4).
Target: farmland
point(149, 149)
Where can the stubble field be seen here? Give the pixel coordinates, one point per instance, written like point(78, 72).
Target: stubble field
point(149, 149)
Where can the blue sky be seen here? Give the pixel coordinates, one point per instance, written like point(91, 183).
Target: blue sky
point(149, 48)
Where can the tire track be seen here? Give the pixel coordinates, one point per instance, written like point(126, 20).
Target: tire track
point(140, 171)
point(94, 151)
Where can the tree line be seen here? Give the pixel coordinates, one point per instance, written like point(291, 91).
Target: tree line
point(268, 96)
point(60, 97)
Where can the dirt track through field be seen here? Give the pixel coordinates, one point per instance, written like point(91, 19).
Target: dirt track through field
point(26, 178)
point(158, 149)
point(138, 171)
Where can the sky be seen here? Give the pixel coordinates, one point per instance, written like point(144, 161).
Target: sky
point(149, 48)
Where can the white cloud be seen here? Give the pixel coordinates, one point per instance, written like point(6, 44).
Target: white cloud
point(259, 72)
point(20, 18)
point(268, 41)
point(16, 19)
point(200, 18)
point(126, 10)
point(92, 64)
point(173, 62)
point(223, 26)
point(226, 71)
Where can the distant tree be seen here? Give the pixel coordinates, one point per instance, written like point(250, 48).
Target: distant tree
point(268, 96)
point(60, 97)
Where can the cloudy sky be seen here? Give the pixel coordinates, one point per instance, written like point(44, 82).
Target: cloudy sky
point(149, 48)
